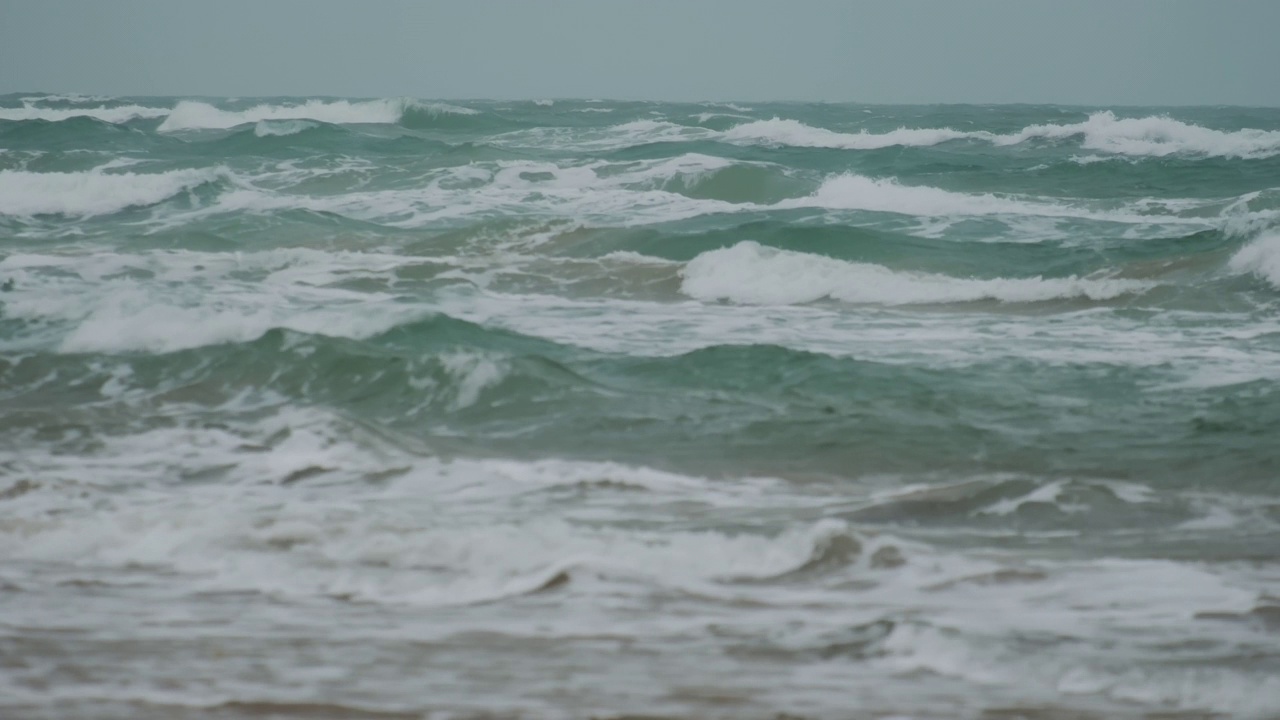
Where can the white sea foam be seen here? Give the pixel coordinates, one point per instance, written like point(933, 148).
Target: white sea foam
point(304, 511)
point(305, 508)
point(120, 114)
point(93, 192)
point(1260, 257)
point(471, 373)
point(754, 274)
point(327, 550)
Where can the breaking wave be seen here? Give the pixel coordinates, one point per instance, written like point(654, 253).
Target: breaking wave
point(1153, 136)
point(93, 192)
point(192, 115)
point(1260, 257)
point(849, 191)
point(796, 134)
point(750, 273)
point(121, 114)
point(1104, 132)
point(281, 128)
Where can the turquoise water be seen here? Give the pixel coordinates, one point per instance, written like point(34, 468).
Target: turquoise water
point(396, 408)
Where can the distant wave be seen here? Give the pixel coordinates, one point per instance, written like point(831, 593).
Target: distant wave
point(93, 192)
point(750, 273)
point(797, 134)
point(197, 115)
point(849, 191)
point(1153, 136)
point(191, 115)
point(1101, 132)
point(121, 114)
point(68, 98)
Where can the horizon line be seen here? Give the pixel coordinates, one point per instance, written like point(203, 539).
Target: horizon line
point(583, 99)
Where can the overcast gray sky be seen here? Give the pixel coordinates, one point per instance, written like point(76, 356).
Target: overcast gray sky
point(1065, 51)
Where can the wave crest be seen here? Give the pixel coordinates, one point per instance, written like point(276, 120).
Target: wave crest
point(1260, 257)
point(117, 115)
point(796, 134)
point(1152, 136)
point(281, 128)
point(93, 192)
point(752, 274)
point(195, 115)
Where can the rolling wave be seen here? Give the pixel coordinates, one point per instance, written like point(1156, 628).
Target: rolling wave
point(119, 114)
point(1102, 131)
point(1155, 136)
point(1260, 257)
point(751, 273)
point(194, 115)
point(796, 134)
point(94, 192)
point(850, 191)
point(1151, 136)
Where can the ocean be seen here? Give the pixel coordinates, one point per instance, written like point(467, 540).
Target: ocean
point(349, 408)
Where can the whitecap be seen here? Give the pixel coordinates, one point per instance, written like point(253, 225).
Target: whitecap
point(120, 114)
point(192, 114)
point(850, 191)
point(1102, 132)
point(93, 192)
point(750, 273)
point(1260, 257)
point(280, 128)
point(796, 134)
point(69, 98)
point(1153, 136)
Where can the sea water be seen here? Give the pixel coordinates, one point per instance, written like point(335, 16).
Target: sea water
point(321, 408)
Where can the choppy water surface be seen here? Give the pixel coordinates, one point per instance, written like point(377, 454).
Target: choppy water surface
point(316, 408)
